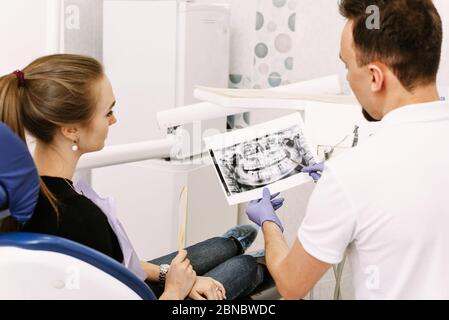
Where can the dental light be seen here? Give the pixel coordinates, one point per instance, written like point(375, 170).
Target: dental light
point(321, 91)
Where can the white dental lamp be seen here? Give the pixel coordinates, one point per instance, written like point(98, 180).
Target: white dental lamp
point(313, 94)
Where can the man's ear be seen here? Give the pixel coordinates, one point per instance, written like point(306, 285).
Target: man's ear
point(378, 77)
point(71, 132)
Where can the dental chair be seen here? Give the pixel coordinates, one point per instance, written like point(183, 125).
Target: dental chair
point(36, 266)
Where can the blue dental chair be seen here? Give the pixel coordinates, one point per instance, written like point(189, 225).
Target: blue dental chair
point(36, 266)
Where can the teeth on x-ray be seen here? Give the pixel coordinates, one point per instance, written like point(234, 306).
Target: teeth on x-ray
point(262, 161)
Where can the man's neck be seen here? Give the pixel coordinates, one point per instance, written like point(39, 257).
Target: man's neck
point(52, 161)
point(422, 94)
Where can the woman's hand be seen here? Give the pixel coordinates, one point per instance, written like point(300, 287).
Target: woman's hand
point(207, 288)
point(180, 279)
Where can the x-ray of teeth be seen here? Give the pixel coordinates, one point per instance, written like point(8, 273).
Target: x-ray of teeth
point(254, 163)
point(264, 160)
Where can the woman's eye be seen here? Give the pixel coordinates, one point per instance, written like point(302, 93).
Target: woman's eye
point(110, 113)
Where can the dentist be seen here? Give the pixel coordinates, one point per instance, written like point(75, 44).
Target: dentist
point(379, 200)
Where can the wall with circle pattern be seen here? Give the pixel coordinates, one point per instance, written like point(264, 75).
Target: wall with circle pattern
point(269, 42)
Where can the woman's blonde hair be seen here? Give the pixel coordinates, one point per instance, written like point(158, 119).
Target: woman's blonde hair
point(50, 92)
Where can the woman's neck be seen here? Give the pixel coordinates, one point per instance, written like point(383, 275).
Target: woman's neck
point(55, 162)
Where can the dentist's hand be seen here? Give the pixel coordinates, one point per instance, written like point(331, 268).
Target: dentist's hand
point(262, 210)
point(314, 171)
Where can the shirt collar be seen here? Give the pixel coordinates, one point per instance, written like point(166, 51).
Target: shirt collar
point(421, 112)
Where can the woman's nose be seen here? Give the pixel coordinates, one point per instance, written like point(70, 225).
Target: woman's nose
point(113, 120)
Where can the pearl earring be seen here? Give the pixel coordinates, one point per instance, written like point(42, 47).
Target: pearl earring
point(74, 147)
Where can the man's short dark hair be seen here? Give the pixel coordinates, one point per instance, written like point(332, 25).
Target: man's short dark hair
point(408, 41)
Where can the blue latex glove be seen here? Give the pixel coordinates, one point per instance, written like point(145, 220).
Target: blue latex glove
point(314, 171)
point(18, 176)
point(262, 210)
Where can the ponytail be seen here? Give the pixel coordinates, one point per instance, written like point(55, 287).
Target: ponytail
point(10, 104)
point(11, 93)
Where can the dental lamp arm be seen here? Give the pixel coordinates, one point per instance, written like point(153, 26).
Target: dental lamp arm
point(201, 111)
point(171, 119)
point(127, 153)
point(311, 92)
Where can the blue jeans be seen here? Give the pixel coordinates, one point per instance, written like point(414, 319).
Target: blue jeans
point(220, 259)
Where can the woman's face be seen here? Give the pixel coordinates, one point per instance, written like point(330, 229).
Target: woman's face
point(93, 136)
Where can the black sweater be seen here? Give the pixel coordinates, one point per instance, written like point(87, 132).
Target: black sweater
point(79, 219)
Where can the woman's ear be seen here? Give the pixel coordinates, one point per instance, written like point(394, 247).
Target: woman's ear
point(71, 133)
point(378, 77)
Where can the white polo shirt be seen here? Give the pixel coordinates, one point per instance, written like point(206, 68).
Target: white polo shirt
point(387, 201)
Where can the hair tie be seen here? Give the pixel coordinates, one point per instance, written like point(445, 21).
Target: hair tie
point(21, 77)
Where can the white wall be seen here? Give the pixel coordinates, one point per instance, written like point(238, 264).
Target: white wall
point(443, 8)
point(23, 31)
point(319, 26)
point(317, 53)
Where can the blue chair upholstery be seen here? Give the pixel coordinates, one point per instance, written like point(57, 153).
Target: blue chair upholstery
point(35, 266)
point(3, 202)
point(19, 179)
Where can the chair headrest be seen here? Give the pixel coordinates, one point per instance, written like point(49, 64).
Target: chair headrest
point(19, 180)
